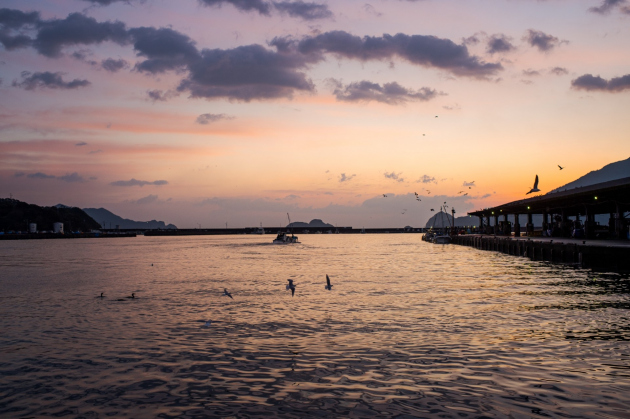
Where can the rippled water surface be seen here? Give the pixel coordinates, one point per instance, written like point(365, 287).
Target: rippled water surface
point(410, 329)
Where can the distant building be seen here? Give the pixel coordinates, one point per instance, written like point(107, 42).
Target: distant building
point(58, 228)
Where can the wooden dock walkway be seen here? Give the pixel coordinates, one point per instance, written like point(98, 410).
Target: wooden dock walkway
point(601, 255)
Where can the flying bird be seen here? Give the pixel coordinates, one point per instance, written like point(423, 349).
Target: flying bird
point(418, 199)
point(416, 194)
point(328, 284)
point(428, 192)
point(225, 292)
point(470, 187)
point(535, 188)
point(384, 196)
point(432, 209)
point(465, 194)
point(460, 192)
point(291, 287)
point(560, 167)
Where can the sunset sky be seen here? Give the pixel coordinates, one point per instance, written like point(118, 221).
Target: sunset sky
point(207, 112)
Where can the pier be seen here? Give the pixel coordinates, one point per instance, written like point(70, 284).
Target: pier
point(565, 213)
point(569, 235)
point(607, 255)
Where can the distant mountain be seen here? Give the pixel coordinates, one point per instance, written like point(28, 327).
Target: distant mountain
point(612, 171)
point(314, 223)
point(17, 215)
point(108, 219)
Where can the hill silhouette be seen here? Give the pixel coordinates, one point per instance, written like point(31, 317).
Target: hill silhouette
point(612, 171)
point(16, 215)
point(108, 219)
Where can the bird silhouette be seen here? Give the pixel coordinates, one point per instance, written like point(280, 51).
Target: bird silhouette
point(384, 196)
point(225, 292)
point(432, 209)
point(560, 167)
point(133, 295)
point(465, 194)
point(291, 287)
point(535, 188)
point(328, 284)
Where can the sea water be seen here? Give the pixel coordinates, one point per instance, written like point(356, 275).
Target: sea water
point(410, 329)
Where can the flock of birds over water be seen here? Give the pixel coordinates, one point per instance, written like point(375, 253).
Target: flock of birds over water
point(532, 190)
point(290, 286)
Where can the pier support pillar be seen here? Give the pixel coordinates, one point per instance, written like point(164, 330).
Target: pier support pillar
point(530, 224)
point(545, 223)
point(488, 225)
point(496, 224)
point(589, 224)
point(517, 226)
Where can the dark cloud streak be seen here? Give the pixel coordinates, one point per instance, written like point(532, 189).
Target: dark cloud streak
point(47, 80)
point(596, 83)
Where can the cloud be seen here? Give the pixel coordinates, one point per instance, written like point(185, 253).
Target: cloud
point(71, 178)
point(259, 6)
point(108, 2)
point(11, 42)
point(531, 73)
point(292, 196)
point(306, 11)
point(149, 199)
point(10, 20)
point(46, 79)
point(424, 50)
point(394, 176)
point(207, 118)
point(499, 43)
point(95, 151)
point(369, 9)
point(246, 73)
point(141, 183)
point(76, 29)
point(468, 183)
point(164, 49)
point(81, 144)
point(16, 19)
point(608, 5)
point(390, 93)
point(426, 179)
point(113, 66)
point(161, 95)
point(68, 177)
point(544, 42)
point(559, 71)
point(597, 83)
point(40, 175)
point(344, 178)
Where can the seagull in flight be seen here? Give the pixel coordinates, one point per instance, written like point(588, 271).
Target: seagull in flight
point(384, 196)
point(460, 192)
point(560, 167)
point(432, 209)
point(535, 188)
point(291, 287)
point(328, 284)
point(418, 199)
point(225, 292)
point(428, 192)
point(465, 194)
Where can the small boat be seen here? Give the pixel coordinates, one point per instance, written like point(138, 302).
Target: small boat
point(285, 238)
point(443, 239)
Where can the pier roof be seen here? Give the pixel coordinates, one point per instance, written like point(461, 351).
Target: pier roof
point(601, 198)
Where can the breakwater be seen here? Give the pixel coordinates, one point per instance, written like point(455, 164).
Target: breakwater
point(38, 236)
point(610, 256)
